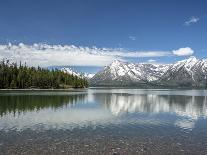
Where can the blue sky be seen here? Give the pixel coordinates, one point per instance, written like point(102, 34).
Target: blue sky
point(126, 26)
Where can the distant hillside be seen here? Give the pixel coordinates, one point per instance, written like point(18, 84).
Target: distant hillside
point(86, 71)
point(190, 72)
point(78, 74)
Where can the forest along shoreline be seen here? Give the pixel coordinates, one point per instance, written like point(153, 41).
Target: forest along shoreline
point(49, 89)
point(18, 77)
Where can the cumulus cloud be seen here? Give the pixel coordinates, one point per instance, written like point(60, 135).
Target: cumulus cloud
point(183, 51)
point(191, 20)
point(48, 55)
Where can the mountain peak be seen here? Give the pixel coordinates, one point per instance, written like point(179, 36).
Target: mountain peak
point(78, 74)
point(188, 72)
point(192, 58)
point(116, 62)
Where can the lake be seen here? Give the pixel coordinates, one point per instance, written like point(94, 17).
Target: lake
point(104, 121)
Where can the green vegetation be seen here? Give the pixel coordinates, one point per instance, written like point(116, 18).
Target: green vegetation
point(13, 76)
point(33, 101)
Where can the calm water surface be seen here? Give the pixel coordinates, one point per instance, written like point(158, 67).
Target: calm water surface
point(104, 121)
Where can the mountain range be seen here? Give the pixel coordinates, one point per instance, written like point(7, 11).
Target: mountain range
point(76, 73)
point(191, 72)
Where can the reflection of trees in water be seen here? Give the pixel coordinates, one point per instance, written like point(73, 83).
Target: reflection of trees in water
point(192, 106)
point(21, 103)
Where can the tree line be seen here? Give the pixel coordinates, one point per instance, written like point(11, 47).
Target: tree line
point(18, 104)
point(13, 76)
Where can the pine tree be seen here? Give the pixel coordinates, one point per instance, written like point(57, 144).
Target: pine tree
point(13, 84)
point(12, 76)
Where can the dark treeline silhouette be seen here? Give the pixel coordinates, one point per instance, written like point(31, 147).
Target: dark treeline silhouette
point(18, 104)
point(23, 77)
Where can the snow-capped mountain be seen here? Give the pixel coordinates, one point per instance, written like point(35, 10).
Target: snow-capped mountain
point(70, 71)
point(189, 72)
point(124, 73)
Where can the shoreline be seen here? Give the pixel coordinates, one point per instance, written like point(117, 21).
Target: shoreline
point(38, 89)
point(81, 89)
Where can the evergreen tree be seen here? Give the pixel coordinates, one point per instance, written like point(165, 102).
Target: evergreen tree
point(12, 76)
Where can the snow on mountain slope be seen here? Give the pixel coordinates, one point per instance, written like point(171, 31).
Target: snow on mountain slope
point(70, 71)
point(88, 75)
point(125, 72)
point(188, 72)
point(186, 64)
point(152, 72)
point(189, 69)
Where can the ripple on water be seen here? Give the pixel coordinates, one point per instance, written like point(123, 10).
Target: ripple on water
point(104, 122)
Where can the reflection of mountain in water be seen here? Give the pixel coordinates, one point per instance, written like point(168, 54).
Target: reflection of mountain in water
point(43, 112)
point(23, 103)
point(191, 106)
point(71, 110)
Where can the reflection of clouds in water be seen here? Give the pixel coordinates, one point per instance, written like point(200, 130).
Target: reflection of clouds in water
point(84, 110)
point(70, 118)
point(185, 124)
point(149, 92)
point(90, 97)
point(189, 106)
point(60, 118)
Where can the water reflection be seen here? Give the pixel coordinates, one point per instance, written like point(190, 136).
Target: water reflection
point(23, 103)
point(46, 111)
point(187, 109)
point(68, 110)
point(191, 106)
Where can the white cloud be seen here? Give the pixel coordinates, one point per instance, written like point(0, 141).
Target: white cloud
point(137, 53)
point(132, 38)
point(183, 51)
point(48, 55)
point(152, 53)
point(191, 20)
point(151, 61)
